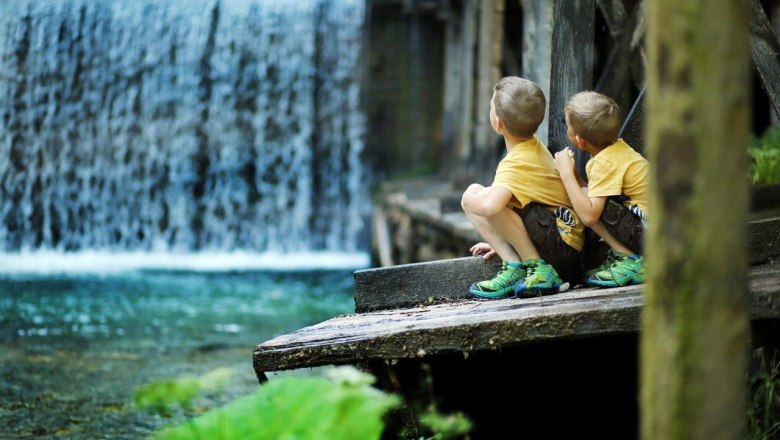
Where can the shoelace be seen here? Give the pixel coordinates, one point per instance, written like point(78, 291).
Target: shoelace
point(504, 276)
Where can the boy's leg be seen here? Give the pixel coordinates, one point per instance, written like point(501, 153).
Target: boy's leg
point(509, 232)
point(601, 229)
point(542, 275)
point(490, 235)
point(623, 266)
point(503, 283)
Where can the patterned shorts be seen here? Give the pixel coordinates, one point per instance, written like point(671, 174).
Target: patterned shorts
point(626, 224)
point(542, 226)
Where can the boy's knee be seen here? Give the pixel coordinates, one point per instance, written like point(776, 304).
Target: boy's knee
point(473, 188)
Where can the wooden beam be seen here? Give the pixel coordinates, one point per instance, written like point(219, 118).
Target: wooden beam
point(572, 65)
point(765, 51)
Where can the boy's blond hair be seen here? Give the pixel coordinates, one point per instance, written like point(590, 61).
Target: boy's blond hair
point(519, 104)
point(595, 117)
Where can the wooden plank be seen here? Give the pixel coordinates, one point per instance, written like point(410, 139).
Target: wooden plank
point(572, 66)
point(472, 325)
point(420, 283)
point(765, 51)
point(464, 326)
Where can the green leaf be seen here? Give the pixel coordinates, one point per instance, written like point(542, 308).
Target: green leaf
point(299, 408)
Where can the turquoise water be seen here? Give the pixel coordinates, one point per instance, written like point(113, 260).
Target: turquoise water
point(188, 308)
point(77, 346)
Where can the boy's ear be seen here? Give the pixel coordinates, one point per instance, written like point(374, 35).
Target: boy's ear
point(580, 142)
point(499, 125)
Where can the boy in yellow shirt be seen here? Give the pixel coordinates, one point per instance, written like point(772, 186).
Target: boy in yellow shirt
point(525, 216)
point(614, 203)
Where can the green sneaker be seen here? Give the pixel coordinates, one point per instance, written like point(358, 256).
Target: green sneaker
point(540, 279)
point(625, 269)
point(605, 265)
point(502, 284)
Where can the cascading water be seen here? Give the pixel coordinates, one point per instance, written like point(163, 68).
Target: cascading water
point(183, 126)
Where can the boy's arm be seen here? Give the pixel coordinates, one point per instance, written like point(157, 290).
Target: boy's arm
point(580, 181)
point(589, 209)
point(486, 201)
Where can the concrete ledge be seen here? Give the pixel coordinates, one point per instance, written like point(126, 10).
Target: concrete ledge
point(411, 285)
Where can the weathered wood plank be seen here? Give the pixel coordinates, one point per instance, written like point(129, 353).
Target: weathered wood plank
point(472, 325)
point(465, 326)
point(765, 51)
point(572, 66)
point(410, 285)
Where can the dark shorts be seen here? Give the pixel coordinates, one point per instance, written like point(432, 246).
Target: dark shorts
point(623, 224)
point(543, 229)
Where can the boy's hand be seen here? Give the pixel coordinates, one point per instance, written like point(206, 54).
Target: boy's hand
point(564, 161)
point(483, 249)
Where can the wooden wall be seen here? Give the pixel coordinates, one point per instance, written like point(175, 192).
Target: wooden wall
point(565, 46)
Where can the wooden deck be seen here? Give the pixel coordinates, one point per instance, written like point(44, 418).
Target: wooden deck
point(471, 325)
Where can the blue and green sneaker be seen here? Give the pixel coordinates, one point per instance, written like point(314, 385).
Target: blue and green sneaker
point(625, 270)
point(502, 284)
point(603, 266)
point(540, 279)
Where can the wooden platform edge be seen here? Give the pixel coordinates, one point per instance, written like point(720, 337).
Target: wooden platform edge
point(471, 325)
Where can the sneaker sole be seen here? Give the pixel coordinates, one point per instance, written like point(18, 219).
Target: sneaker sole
point(489, 295)
point(599, 283)
point(532, 293)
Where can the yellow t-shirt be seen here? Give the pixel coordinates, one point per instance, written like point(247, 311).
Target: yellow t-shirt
point(528, 172)
point(619, 170)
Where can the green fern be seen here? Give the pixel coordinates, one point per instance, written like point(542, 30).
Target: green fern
point(764, 156)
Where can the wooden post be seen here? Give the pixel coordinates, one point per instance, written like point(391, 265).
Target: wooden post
point(572, 65)
point(765, 51)
point(537, 42)
point(466, 111)
point(694, 329)
point(488, 71)
point(452, 134)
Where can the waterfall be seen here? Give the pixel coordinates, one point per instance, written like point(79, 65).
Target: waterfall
point(181, 126)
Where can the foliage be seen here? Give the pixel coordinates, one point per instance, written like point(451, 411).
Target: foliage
point(764, 413)
point(446, 426)
point(765, 157)
point(341, 406)
point(161, 396)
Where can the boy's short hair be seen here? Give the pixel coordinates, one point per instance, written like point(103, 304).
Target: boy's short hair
point(520, 105)
point(595, 117)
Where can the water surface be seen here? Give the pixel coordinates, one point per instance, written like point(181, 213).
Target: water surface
point(76, 346)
